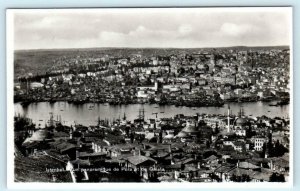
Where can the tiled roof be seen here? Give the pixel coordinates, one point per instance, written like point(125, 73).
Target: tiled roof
point(247, 165)
point(33, 170)
point(85, 154)
point(39, 135)
point(224, 168)
point(173, 166)
point(188, 160)
point(280, 162)
point(139, 159)
point(260, 175)
point(81, 162)
point(210, 158)
point(239, 172)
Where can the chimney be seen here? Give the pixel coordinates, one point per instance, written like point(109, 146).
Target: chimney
point(266, 155)
point(237, 164)
point(198, 165)
point(228, 119)
point(77, 154)
point(170, 149)
point(139, 151)
point(71, 134)
point(271, 164)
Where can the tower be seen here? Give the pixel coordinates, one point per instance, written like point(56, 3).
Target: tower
point(228, 119)
point(141, 115)
point(235, 79)
point(71, 133)
point(155, 85)
point(51, 120)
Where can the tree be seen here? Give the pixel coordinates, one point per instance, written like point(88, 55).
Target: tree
point(275, 177)
point(127, 129)
point(278, 150)
point(215, 177)
point(132, 137)
point(217, 129)
point(264, 149)
point(207, 144)
point(23, 124)
point(245, 178)
point(233, 178)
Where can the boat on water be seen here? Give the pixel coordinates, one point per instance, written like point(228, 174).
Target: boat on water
point(52, 101)
point(273, 104)
point(280, 103)
point(283, 102)
point(267, 98)
point(25, 103)
point(78, 102)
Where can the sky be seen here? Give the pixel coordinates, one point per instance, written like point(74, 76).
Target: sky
point(160, 27)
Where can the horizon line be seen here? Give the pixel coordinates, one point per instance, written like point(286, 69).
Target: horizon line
point(124, 47)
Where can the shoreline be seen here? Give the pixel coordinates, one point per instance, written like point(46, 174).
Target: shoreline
point(279, 102)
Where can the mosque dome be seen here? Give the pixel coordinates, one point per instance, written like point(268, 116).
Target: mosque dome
point(190, 129)
point(182, 134)
point(241, 121)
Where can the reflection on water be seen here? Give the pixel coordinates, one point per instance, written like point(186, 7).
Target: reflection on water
point(87, 114)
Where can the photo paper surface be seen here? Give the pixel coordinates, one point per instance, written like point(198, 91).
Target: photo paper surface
point(192, 96)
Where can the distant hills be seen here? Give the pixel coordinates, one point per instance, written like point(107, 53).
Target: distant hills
point(153, 48)
point(40, 60)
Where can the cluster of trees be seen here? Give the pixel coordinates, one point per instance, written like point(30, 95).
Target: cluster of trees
point(274, 150)
point(23, 124)
point(275, 177)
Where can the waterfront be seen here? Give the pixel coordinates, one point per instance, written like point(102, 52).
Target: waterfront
point(87, 114)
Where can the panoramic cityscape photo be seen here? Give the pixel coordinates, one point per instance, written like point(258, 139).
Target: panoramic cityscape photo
point(151, 95)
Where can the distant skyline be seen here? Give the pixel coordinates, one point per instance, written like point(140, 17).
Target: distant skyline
point(151, 28)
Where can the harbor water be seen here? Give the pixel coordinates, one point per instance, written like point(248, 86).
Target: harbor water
point(88, 114)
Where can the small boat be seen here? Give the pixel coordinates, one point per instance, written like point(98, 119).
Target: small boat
point(51, 101)
point(283, 102)
point(25, 103)
point(273, 104)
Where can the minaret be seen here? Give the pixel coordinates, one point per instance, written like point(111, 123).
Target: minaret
point(228, 119)
point(71, 133)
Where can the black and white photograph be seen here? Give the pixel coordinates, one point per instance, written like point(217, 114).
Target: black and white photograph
point(150, 95)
